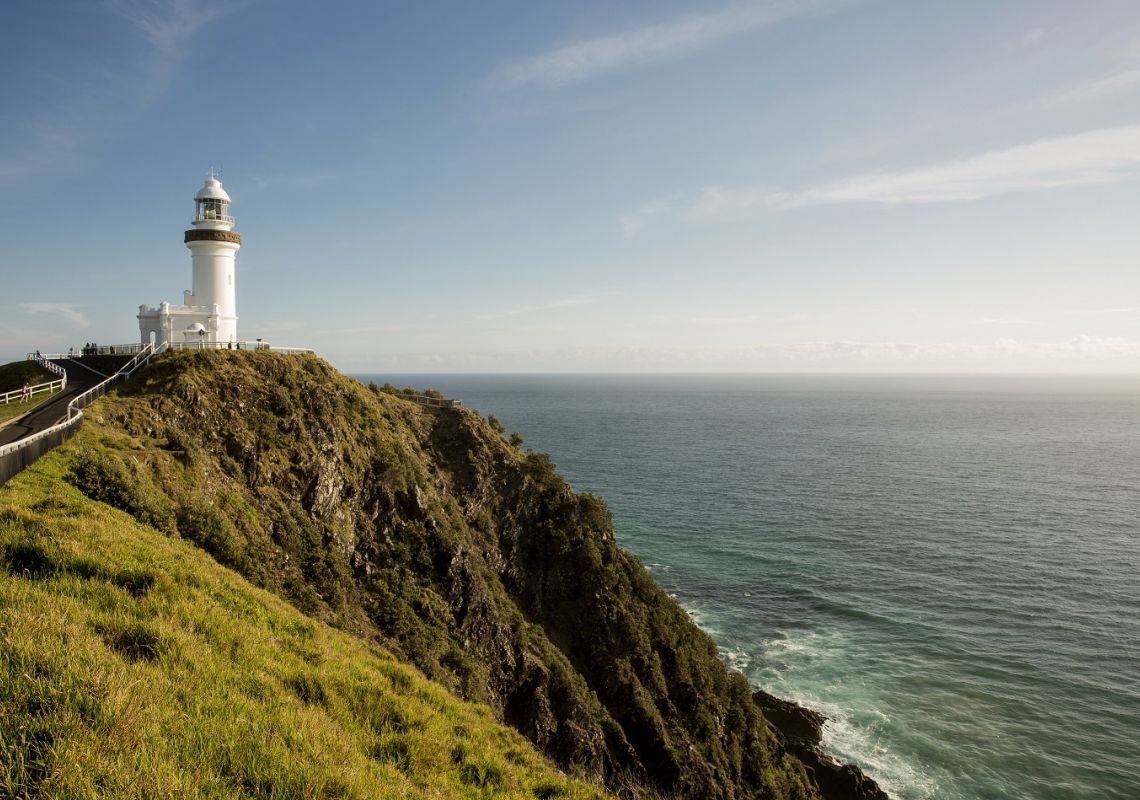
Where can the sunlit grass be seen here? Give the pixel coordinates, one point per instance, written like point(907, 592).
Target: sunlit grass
point(132, 665)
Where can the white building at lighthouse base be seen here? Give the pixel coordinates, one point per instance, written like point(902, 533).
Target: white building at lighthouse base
point(185, 323)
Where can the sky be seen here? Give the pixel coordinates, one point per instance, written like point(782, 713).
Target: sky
point(750, 186)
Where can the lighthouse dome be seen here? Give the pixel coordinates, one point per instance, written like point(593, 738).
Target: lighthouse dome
point(212, 190)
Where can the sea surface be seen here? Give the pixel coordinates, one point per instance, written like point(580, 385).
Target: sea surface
point(947, 567)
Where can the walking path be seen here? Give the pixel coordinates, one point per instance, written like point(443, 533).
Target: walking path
point(43, 416)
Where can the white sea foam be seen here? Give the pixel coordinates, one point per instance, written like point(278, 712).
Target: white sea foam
point(854, 730)
point(737, 659)
point(860, 743)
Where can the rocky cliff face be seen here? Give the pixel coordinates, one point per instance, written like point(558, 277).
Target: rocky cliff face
point(425, 529)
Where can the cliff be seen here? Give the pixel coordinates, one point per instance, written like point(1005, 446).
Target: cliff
point(424, 530)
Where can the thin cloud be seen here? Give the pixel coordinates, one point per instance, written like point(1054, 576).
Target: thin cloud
point(1106, 155)
point(633, 222)
point(1102, 156)
point(1126, 80)
point(566, 302)
point(1000, 321)
point(167, 24)
point(68, 311)
point(715, 322)
point(94, 103)
point(587, 59)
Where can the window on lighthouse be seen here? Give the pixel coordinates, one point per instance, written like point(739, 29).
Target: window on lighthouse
point(213, 210)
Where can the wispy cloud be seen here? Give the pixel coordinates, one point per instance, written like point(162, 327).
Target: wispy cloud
point(566, 302)
point(69, 311)
point(633, 222)
point(1000, 321)
point(586, 59)
point(1120, 82)
point(1105, 155)
point(92, 99)
point(727, 321)
point(1101, 156)
point(167, 24)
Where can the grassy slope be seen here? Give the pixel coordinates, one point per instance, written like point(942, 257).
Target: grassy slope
point(428, 531)
point(133, 665)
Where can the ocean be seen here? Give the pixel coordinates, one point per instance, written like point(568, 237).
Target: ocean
point(947, 567)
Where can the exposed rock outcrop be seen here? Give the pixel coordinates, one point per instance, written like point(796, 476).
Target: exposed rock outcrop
point(802, 732)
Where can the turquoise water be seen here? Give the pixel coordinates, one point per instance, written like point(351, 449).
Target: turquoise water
point(948, 568)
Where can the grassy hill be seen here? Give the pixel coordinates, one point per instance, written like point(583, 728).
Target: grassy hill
point(133, 665)
point(421, 530)
point(14, 375)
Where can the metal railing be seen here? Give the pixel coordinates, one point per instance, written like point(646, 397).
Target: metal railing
point(430, 400)
point(133, 349)
point(258, 345)
point(141, 360)
point(97, 350)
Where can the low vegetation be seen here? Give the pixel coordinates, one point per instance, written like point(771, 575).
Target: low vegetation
point(418, 527)
point(133, 665)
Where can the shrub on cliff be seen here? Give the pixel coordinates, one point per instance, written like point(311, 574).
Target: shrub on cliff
point(105, 477)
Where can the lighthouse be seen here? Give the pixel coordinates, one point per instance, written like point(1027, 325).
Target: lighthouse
point(208, 313)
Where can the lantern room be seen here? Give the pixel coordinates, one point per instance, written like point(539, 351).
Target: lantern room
point(212, 205)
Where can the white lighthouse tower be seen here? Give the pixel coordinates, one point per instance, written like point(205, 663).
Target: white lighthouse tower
point(209, 311)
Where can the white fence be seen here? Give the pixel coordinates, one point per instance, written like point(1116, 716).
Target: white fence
point(89, 350)
point(51, 387)
point(20, 455)
point(258, 345)
point(134, 349)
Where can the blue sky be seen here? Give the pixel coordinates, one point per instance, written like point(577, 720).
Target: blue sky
point(828, 185)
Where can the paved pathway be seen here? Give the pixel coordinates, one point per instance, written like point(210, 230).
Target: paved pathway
point(79, 380)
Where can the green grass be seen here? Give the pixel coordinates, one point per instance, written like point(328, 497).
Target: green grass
point(133, 665)
point(18, 408)
point(14, 375)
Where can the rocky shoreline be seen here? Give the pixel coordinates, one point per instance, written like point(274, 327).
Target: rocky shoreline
point(801, 732)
